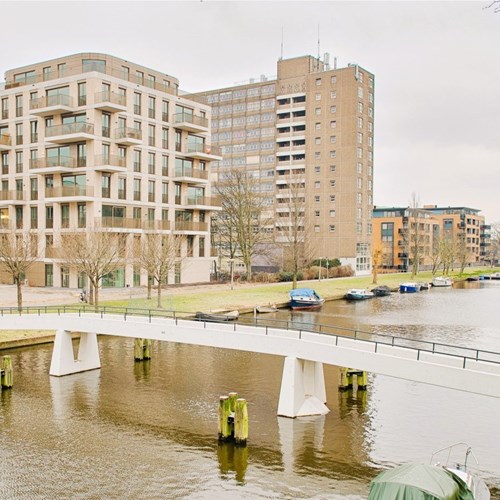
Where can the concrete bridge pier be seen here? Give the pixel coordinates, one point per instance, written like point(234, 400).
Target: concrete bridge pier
point(63, 358)
point(302, 389)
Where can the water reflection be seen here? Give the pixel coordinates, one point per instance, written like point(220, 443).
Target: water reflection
point(232, 459)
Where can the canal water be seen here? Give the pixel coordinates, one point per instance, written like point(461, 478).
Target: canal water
point(149, 430)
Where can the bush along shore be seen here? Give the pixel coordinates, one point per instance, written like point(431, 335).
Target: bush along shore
point(221, 298)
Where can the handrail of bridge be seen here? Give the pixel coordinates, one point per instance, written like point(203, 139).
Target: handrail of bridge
point(465, 353)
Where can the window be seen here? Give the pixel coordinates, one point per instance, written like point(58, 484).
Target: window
point(333, 79)
point(46, 73)
point(151, 163)
point(360, 107)
point(137, 103)
point(164, 166)
point(360, 152)
point(317, 111)
point(318, 81)
point(332, 198)
point(19, 162)
point(333, 139)
point(359, 167)
point(359, 198)
point(317, 198)
point(333, 168)
point(317, 169)
point(137, 189)
point(34, 217)
point(164, 138)
point(316, 213)
point(122, 188)
point(360, 122)
point(316, 228)
point(164, 111)
point(106, 124)
point(164, 192)
point(333, 183)
point(151, 135)
point(151, 107)
point(360, 92)
point(360, 183)
point(317, 140)
point(64, 216)
point(106, 185)
point(19, 134)
point(333, 124)
point(317, 184)
point(318, 97)
point(333, 94)
point(333, 154)
point(137, 160)
point(333, 109)
point(317, 126)
point(5, 162)
point(94, 65)
point(151, 190)
point(34, 131)
point(19, 105)
point(82, 94)
point(370, 112)
point(360, 138)
point(317, 155)
point(331, 228)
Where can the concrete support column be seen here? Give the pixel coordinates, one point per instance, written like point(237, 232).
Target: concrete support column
point(63, 359)
point(302, 389)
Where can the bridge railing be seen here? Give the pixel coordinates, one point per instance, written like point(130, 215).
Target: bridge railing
point(377, 339)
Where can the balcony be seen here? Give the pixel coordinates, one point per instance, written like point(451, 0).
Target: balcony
point(156, 225)
point(10, 196)
point(204, 203)
point(70, 132)
point(191, 175)
point(118, 222)
point(190, 226)
point(5, 142)
point(128, 136)
point(110, 101)
point(70, 193)
point(204, 152)
point(62, 164)
point(190, 122)
point(110, 163)
point(51, 105)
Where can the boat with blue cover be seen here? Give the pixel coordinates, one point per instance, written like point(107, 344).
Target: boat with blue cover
point(305, 298)
point(409, 287)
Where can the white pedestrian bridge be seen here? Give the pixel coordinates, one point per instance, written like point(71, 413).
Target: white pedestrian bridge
point(305, 347)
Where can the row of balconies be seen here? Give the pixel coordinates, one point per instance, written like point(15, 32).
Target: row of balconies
point(124, 223)
point(85, 193)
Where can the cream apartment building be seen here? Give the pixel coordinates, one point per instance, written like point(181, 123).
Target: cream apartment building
point(92, 141)
point(306, 133)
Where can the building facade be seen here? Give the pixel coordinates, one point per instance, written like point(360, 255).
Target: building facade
point(395, 230)
point(91, 142)
point(306, 134)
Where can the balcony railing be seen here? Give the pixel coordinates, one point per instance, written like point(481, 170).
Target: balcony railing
point(156, 224)
point(11, 195)
point(65, 191)
point(191, 172)
point(118, 222)
point(51, 100)
point(128, 133)
point(200, 121)
point(204, 149)
point(108, 96)
point(113, 160)
point(184, 225)
point(61, 161)
point(70, 128)
point(5, 140)
point(211, 201)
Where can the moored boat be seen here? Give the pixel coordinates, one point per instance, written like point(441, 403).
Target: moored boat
point(424, 285)
point(495, 276)
point(409, 287)
point(266, 309)
point(217, 317)
point(359, 294)
point(441, 281)
point(433, 482)
point(381, 291)
point(305, 298)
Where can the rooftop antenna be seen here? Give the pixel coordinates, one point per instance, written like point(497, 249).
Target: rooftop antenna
point(318, 45)
point(281, 58)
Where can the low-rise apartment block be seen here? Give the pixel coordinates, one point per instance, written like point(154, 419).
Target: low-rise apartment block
point(92, 141)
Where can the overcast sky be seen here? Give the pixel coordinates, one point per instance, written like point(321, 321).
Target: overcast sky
point(436, 65)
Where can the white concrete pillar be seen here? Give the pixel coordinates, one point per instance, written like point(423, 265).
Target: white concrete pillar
point(302, 389)
point(63, 359)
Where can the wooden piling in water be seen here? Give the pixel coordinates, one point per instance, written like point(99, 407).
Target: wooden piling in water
point(362, 381)
point(7, 377)
point(139, 350)
point(241, 422)
point(147, 348)
point(343, 383)
point(224, 413)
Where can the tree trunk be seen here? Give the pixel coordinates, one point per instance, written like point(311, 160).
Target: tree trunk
point(19, 294)
point(158, 304)
point(150, 283)
point(294, 284)
point(91, 293)
point(96, 298)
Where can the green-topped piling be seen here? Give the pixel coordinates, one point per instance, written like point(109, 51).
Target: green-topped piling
point(147, 348)
point(139, 350)
point(7, 373)
point(241, 421)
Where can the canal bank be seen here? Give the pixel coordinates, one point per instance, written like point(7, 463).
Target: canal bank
point(244, 297)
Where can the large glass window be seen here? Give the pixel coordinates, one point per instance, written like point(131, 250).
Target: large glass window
point(94, 65)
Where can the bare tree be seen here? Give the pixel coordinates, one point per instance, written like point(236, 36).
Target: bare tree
point(18, 252)
point(376, 261)
point(463, 254)
point(413, 235)
point(292, 230)
point(157, 254)
point(95, 253)
point(495, 5)
point(447, 248)
point(436, 254)
point(494, 243)
point(245, 221)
